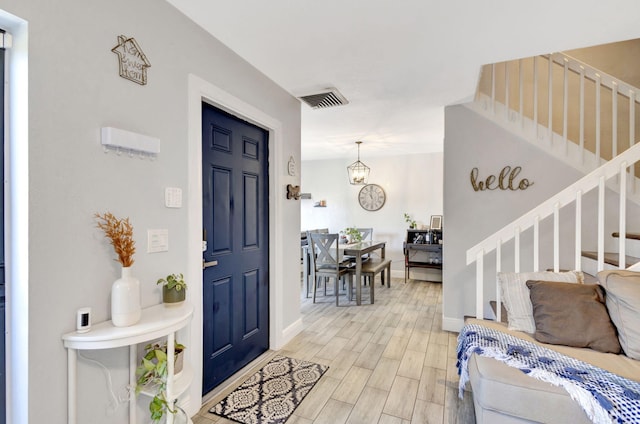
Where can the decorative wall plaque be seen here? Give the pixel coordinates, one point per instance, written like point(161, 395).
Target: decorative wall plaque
point(291, 166)
point(133, 62)
point(293, 192)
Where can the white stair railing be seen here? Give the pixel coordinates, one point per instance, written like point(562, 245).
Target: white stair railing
point(581, 103)
point(617, 167)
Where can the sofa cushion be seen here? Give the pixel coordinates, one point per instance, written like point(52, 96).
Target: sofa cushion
point(572, 315)
point(515, 295)
point(623, 302)
point(503, 394)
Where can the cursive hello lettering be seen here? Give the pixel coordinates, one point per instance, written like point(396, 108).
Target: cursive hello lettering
point(506, 180)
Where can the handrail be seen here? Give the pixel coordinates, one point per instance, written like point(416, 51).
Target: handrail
point(592, 73)
point(604, 105)
point(563, 198)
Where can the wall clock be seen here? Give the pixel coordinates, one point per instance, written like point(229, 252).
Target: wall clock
point(372, 197)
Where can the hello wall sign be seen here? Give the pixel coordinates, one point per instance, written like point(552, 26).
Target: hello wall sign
point(507, 179)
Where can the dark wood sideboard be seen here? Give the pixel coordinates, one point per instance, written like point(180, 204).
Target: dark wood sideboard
point(422, 249)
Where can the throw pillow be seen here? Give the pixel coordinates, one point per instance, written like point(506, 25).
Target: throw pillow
point(503, 311)
point(623, 302)
point(572, 315)
point(515, 295)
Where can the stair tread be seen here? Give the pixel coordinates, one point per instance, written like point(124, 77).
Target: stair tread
point(611, 258)
point(632, 236)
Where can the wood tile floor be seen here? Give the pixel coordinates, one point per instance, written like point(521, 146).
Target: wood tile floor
point(390, 363)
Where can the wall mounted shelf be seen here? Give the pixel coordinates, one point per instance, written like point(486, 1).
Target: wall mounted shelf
point(128, 142)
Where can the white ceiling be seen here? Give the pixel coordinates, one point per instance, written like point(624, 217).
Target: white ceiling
point(397, 62)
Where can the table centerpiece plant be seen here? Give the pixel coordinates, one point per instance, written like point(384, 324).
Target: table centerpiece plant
point(354, 235)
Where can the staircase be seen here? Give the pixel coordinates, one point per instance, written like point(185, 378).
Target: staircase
point(612, 260)
point(547, 104)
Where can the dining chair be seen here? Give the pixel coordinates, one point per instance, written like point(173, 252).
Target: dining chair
point(325, 262)
point(305, 248)
point(366, 233)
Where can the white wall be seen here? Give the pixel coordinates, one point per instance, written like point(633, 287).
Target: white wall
point(74, 90)
point(472, 141)
point(413, 184)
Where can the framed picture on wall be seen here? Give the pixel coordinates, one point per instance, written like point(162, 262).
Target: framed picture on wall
point(436, 222)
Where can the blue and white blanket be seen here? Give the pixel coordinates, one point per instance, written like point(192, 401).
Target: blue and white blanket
point(604, 396)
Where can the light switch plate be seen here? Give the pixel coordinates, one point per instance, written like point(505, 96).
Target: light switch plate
point(157, 241)
point(173, 197)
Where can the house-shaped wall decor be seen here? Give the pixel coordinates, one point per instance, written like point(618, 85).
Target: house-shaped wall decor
point(133, 62)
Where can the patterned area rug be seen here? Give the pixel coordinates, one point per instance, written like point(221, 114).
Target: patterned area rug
point(272, 394)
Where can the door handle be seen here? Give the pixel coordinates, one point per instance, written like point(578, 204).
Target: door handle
point(208, 264)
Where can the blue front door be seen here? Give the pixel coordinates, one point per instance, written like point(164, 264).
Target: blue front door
point(235, 228)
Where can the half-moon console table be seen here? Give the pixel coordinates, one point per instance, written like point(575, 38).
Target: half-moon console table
point(157, 321)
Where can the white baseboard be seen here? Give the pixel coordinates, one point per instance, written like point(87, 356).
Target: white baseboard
point(452, 324)
point(419, 274)
point(289, 333)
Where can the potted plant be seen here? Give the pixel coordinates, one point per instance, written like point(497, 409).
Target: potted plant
point(354, 235)
point(410, 221)
point(173, 288)
point(152, 376)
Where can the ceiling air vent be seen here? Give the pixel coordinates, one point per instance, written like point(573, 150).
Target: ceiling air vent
point(328, 98)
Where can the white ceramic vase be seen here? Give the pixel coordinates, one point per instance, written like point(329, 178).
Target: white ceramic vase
point(125, 300)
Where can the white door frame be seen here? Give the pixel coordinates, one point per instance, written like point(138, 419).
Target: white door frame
point(200, 91)
point(17, 218)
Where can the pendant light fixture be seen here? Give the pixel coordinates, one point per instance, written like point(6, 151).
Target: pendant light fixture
point(358, 171)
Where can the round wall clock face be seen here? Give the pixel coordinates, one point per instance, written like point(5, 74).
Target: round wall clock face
point(372, 197)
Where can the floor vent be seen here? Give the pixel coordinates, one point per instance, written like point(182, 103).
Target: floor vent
point(329, 98)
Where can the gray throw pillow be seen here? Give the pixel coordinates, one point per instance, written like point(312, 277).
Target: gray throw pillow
point(572, 315)
point(515, 294)
point(623, 302)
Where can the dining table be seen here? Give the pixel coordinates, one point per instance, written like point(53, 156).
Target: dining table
point(354, 250)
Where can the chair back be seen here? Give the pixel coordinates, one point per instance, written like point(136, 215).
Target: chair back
point(324, 251)
point(367, 233)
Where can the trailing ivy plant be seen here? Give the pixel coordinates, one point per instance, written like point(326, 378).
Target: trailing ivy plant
point(152, 374)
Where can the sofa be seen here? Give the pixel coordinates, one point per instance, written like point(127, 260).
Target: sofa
point(598, 324)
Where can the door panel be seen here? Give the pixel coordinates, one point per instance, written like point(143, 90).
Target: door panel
point(251, 228)
point(221, 182)
point(251, 304)
point(222, 325)
point(235, 222)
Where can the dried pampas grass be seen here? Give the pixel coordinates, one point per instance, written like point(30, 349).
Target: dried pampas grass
point(120, 232)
